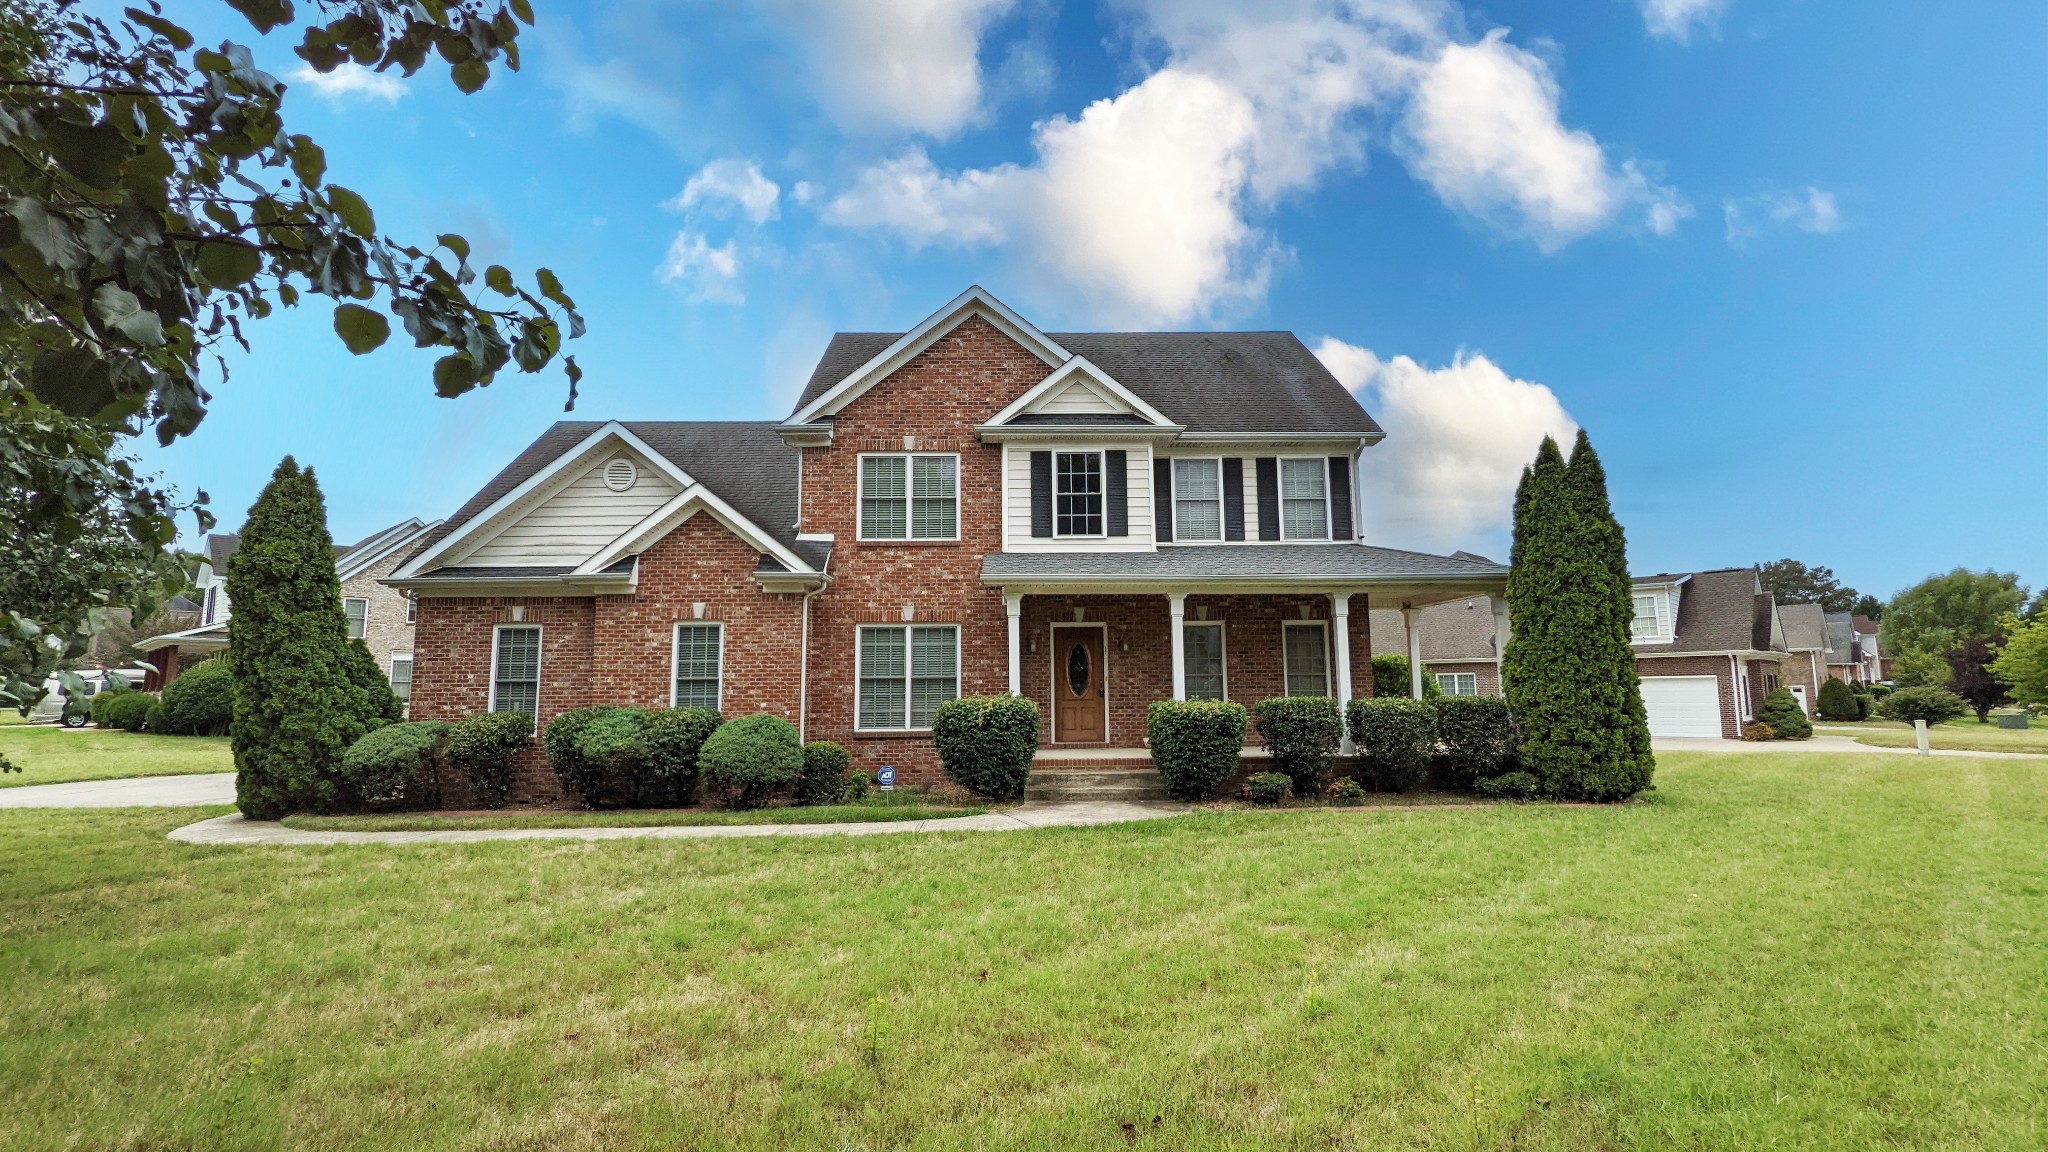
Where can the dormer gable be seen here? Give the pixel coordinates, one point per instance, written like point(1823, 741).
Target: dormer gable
point(1078, 393)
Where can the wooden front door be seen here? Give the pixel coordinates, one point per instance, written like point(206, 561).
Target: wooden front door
point(1079, 691)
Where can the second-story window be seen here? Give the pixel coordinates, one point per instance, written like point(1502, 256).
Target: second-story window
point(1198, 500)
point(910, 497)
point(1077, 494)
point(1305, 498)
point(358, 612)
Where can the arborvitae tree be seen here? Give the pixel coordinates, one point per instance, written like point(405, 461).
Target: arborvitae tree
point(1610, 648)
point(298, 702)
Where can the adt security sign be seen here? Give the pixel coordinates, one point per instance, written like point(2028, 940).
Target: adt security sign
point(887, 778)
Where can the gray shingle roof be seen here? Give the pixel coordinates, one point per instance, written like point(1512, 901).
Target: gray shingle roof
point(1718, 611)
point(1458, 631)
point(1206, 381)
point(220, 546)
point(1248, 561)
point(1805, 626)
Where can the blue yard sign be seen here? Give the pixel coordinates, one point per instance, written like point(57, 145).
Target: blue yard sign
point(887, 777)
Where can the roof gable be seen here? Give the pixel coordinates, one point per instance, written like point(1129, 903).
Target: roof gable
point(1078, 392)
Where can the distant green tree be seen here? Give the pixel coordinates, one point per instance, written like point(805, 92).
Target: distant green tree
point(1949, 610)
point(1390, 678)
point(1795, 583)
point(1869, 607)
point(2023, 662)
point(1917, 669)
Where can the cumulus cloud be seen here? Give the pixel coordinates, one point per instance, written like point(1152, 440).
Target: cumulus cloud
point(351, 82)
point(1674, 19)
point(705, 273)
point(729, 184)
point(1808, 210)
point(895, 65)
point(1458, 437)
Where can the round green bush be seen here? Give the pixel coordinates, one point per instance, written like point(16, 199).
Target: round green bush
point(1196, 744)
point(1782, 712)
point(828, 776)
point(749, 759)
point(1477, 735)
point(485, 748)
point(155, 720)
point(600, 755)
point(1396, 738)
point(1302, 733)
point(127, 709)
point(1837, 701)
point(201, 701)
point(1866, 707)
point(986, 743)
point(675, 738)
point(1934, 705)
point(395, 766)
point(1508, 785)
point(1268, 788)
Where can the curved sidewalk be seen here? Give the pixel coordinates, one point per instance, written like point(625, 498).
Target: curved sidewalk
point(190, 791)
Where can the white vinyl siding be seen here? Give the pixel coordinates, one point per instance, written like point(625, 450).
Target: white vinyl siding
point(1654, 616)
point(1198, 499)
point(1458, 683)
point(910, 496)
point(401, 676)
point(515, 669)
point(575, 523)
point(1079, 505)
point(1306, 658)
point(357, 611)
point(1017, 535)
point(905, 672)
point(1304, 498)
point(1078, 398)
point(1203, 661)
point(699, 654)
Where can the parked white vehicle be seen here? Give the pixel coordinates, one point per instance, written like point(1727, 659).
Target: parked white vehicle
point(51, 708)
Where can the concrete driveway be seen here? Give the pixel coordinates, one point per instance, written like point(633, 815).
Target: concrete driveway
point(135, 792)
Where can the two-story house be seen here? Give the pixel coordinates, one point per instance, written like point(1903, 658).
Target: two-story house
point(1095, 520)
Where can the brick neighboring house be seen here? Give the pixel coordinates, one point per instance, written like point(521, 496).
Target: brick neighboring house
point(1096, 520)
point(1805, 664)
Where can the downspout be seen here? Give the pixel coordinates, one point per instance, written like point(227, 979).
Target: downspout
point(1735, 692)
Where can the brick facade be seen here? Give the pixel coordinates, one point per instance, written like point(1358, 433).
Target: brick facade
point(386, 632)
point(1760, 674)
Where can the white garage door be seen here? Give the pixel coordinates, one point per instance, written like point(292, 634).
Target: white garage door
point(1683, 706)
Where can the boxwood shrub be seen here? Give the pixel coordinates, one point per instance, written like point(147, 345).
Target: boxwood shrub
point(1196, 744)
point(1302, 733)
point(675, 739)
point(201, 701)
point(1787, 719)
point(986, 743)
point(748, 760)
point(1477, 737)
point(1268, 788)
point(828, 775)
point(1396, 738)
point(395, 766)
point(1508, 785)
point(1866, 705)
point(483, 748)
point(125, 709)
point(1934, 705)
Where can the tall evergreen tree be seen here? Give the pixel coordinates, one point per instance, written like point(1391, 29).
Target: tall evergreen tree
point(1625, 762)
point(299, 701)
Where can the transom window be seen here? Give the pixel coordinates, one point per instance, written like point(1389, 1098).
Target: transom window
point(401, 676)
point(905, 674)
point(1305, 498)
point(358, 612)
point(515, 670)
point(1458, 683)
point(1202, 652)
point(1077, 494)
point(698, 647)
point(1307, 659)
point(910, 496)
point(1198, 499)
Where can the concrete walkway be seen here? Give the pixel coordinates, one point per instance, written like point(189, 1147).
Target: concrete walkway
point(1823, 743)
point(133, 792)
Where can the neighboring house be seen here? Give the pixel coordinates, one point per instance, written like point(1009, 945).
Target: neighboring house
point(1852, 655)
point(378, 615)
point(1806, 663)
point(1095, 520)
point(1876, 665)
point(1709, 648)
point(1461, 643)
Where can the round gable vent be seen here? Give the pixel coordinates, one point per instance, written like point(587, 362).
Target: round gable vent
point(620, 474)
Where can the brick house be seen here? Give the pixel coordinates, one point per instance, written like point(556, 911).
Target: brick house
point(1094, 520)
point(1805, 663)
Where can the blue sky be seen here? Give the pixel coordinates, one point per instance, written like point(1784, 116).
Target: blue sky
point(1786, 261)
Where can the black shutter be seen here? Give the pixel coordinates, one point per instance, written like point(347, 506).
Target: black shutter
point(1233, 498)
point(1162, 501)
point(1269, 497)
point(1041, 493)
point(1116, 485)
point(1340, 497)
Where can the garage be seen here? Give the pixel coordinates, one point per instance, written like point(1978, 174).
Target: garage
point(1683, 706)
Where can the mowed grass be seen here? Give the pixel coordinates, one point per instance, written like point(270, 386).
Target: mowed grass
point(653, 818)
point(1958, 735)
point(1788, 950)
point(47, 754)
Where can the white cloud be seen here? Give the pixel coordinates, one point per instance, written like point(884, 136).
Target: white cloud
point(706, 273)
point(1457, 439)
point(895, 65)
point(729, 183)
point(1674, 19)
point(1809, 210)
point(351, 82)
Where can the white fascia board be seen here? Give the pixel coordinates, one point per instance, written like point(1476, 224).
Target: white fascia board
point(362, 559)
point(666, 518)
point(1091, 433)
point(484, 525)
point(1081, 366)
point(1362, 439)
point(974, 302)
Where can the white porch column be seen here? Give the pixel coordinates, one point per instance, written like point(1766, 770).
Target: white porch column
point(1500, 638)
point(1177, 611)
point(1013, 607)
point(1340, 630)
point(1408, 618)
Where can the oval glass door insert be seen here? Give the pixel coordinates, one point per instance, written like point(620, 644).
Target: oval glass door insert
point(1077, 669)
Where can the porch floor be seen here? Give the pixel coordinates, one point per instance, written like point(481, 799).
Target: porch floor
point(1064, 757)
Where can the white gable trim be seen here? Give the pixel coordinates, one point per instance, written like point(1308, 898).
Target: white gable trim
point(558, 473)
point(1081, 367)
point(668, 517)
point(390, 540)
point(974, 302)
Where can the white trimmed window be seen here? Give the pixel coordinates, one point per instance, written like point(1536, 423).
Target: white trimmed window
point(1077, 494)
point(515, 669)
point(401, 675)
point(910, 496)
point(1458, 683)
point(1202, 661)
point(412, 610)
point(1652, 616)
point(905, 672)
point(1304, 498)
point(699, 655)
point(357, 610)
point(1306, 655)
point(1198, 499)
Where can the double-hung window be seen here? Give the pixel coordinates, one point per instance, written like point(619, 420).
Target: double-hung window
point(1077, 499)
point(358, 612)
point(1305, 498)
point(698, 647)
point(1647, 623)
point(1198, 499)
point(906, 672)
point(412, 610)
point(1458, 683)
point(910, 496)
point(515, 670)
point(1202, 661)
point(401, 676)
point(1306, 657)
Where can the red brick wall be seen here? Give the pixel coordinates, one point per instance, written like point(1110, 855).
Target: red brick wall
point(452, 668)
point(1797, 670)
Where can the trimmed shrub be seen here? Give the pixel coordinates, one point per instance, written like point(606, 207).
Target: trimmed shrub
point(675, 738)
point(986, 743)
point(96, 708)
point(127, 710)
point(1390, 678)
point(483, 747)
point(1268, 788)
point(1837, 701)
point(611, 750)
point(1345, 791)
point(828, 775)
point(1756, 731)
point(1508, 786)
point(157, 719)
point(1477, 735)
point(559, 738)
point(1934, 705)
point(1866, 706)
point(1859, 688)
point(1787, 719)
point(1395, 739)
point(200, 702)
point(747, 760)
point(1196, 744)
point(1302, 733)
point(1878, 691)
point(396, 766)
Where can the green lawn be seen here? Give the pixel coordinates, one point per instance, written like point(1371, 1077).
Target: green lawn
point(661, 818)
point(47, 754)
point(1960, 735)
point(1787, 950)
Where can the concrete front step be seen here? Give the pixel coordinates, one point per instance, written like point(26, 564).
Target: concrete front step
point(1095, 784)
